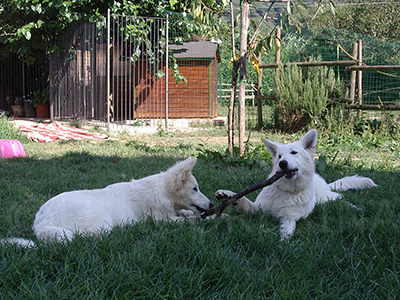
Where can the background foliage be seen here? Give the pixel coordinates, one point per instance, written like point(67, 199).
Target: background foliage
point(26, 26)
point(368, 17)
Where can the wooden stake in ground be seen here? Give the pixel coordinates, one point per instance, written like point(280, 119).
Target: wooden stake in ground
point(226, 202)
point(243, 72)
point(231, 107)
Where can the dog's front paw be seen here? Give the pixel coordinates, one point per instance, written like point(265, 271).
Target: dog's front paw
point(287, 229)
point(222, 216)
point(223, 195)
point(185, 213)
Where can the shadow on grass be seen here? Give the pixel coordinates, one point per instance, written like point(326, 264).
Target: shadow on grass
point(337, 252)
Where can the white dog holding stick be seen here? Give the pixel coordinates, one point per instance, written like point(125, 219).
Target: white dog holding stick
point(294, 195)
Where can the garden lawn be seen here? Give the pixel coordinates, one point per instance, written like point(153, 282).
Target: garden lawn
point(337, 252)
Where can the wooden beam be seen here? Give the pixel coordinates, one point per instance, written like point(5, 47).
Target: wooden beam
point(332, 63)
point(375, 68)
point(273, 97)
point(373, 107)
point(341, 100)
point(265, 97)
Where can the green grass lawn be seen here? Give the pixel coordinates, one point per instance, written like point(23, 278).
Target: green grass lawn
point(337, 252)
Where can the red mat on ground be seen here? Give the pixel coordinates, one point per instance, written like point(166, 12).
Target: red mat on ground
point(42, 132)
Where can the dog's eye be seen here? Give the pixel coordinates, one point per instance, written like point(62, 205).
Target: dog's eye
point(293, 152)
point(195, 189)
point(280, 156)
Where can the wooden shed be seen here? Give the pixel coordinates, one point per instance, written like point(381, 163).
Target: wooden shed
point(198, 98)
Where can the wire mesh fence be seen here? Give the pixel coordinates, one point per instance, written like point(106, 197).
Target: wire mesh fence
point(10, 75)
point(377, 88)
point(143, 87)
point(138, 46)
point(78, 74)
point(19, 82)
point(119, 73)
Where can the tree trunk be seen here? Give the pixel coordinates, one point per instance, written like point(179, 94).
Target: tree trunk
point(231, 107)
point(243, 73)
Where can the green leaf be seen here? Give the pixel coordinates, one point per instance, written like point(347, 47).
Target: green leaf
point(332, 7)
point(302, 3)
point(160, 74)
point(39, 24)
point(172, 3)
point(30, 60)
point(25, 31)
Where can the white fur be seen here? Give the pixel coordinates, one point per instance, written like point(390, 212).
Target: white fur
point(171, 195)
point(294, 196)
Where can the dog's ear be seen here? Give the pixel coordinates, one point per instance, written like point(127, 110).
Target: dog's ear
point(271, 146)
point(309, 140)
point(178, 174)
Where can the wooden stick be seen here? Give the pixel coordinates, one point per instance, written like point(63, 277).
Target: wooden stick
point(230, 200)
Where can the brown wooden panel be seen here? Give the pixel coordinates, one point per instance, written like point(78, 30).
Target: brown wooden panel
point(198, 98)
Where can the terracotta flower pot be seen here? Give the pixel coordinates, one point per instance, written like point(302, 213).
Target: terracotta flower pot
point(43, 111)
point(18, 110)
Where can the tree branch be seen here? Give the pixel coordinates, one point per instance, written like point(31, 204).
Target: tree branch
point(253, 38)
point(230, 200)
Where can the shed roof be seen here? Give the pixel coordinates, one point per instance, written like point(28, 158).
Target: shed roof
point(195, 49)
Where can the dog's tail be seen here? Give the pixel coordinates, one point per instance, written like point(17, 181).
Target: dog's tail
point(352, 182)
point(19, 242)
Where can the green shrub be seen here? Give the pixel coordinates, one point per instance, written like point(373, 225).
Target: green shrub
point(303, 95)
point(10, 132)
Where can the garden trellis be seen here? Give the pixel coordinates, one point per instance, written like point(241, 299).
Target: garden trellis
point(106, 71)
point(373, 80)
point(121, 74)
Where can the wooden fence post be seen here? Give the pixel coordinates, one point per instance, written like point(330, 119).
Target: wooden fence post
point(353, 75)
point(277, 61)
point(243, 73)
point(259, 92)
point(360, 58)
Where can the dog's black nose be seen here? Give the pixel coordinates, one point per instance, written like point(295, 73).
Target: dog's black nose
point(283, 164)
point(211, 205)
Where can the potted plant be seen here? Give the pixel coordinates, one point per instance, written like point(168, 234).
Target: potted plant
point(30, 110)
point(18, 107)
point(41, 100)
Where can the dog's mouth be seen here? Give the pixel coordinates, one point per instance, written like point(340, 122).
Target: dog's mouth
point(290, 173)
point(200, 209)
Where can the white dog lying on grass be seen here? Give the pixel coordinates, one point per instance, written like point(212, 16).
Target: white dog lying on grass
point(171, 195)
point(294, 196)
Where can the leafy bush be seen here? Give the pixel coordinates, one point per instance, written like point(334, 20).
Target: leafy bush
point(303, 95)
point(9, 132)
point(253, 155)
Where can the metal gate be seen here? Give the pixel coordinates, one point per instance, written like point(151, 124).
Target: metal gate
point(112, 71)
